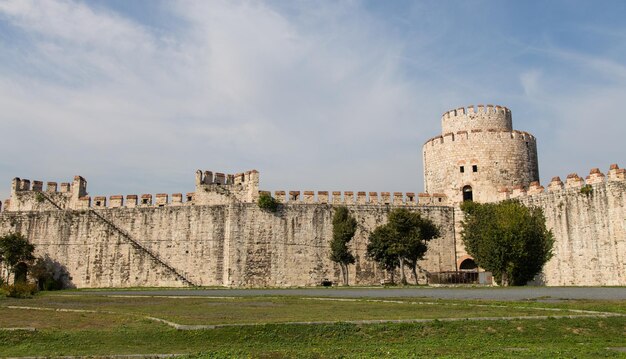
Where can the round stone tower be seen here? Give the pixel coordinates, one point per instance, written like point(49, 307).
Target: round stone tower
point(477, 154)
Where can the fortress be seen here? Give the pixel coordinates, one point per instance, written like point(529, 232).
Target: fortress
point(218, 236)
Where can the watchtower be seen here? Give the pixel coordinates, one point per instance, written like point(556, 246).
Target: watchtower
point(477, 154)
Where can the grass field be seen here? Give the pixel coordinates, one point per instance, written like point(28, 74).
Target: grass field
point(75, 323)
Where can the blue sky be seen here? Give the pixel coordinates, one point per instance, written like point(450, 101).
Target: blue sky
point(316, 95)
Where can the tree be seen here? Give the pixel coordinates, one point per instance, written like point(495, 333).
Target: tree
point(344, 227)
point(15, 250)
point(413, 234)
point(382, 250)
point(404, 239)
point(508, 239)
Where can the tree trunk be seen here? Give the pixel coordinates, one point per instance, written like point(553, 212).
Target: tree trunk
point(345, 274)
point(414, 268)
point(505, 279)
point(343, 277)
point(402, 276)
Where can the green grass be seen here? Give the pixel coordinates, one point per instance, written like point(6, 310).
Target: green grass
point(549, 338)
point(119, 326)
point(206, 311)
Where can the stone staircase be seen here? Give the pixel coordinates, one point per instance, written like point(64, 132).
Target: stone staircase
point(135, 243)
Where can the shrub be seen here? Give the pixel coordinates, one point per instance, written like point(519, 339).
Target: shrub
point(20, 290)
point(49, 274)
point(586, 189)
point(16, 252)
point(267, 202)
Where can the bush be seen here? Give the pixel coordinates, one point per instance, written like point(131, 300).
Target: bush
point(20, 290)
point(267, 202)
point(586, 189)
point(50, 283)
point(49, 274)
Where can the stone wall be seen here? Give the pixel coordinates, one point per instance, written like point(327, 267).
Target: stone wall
point(588, 219)
point(222, 245)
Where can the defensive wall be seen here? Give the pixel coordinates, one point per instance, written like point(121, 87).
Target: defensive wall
point(588, 219)
point(215, 236)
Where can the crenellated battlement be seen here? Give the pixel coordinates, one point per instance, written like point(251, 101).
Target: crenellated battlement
point(573, 182)
point(29, 200)
point(211, 189)
point(349, 198)
point(359, 198)
point(223, 189)
point(220, 188)
point(27, 195)
point(480, 135)
point(221, 179)
point(477, 117)
point(496, 110)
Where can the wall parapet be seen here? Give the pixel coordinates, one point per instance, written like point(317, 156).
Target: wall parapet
point(479, 134)
point(219, 178)
point(477, 109)
point(74, 196)
point(572, 182)
point(359, 198)
point(205, 179)
point(477, 118)
point(214, 188)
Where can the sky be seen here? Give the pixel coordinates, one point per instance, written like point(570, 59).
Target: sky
point(316, 95)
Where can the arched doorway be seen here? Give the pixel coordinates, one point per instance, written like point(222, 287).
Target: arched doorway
point(468, 265)
point(467, 193)
point(21, 271)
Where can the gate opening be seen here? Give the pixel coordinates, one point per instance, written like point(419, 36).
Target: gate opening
point(467, 194)
point(468, 265)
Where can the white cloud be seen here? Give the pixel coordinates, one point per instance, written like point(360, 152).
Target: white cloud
point(530, 82)
point(238, 86)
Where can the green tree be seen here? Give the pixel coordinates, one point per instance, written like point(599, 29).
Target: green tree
point(381, 248)
point(508, 239)
point(344, 227)
point(413, 232)
point(404, 239)
point(15, 249)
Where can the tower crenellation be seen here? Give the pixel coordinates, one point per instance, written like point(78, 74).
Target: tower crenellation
point(478, 117)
